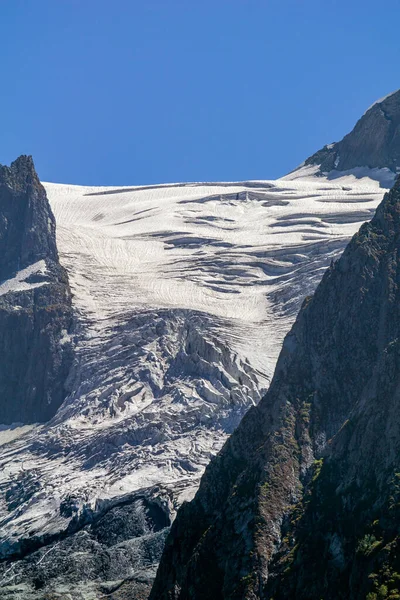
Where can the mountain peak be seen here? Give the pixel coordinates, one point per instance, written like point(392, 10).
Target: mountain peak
point(35, 300)
point(382, 100)
point(27, 224)
point(20, 174)
point(374, 142)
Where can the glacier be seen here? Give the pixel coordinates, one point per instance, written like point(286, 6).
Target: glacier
point(182, 294)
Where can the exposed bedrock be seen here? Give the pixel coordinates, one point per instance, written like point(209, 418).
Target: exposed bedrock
point(99, 553)
point(35, 301)
point(374, 142)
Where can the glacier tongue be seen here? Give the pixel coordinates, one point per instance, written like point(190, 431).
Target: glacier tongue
point(183, 294)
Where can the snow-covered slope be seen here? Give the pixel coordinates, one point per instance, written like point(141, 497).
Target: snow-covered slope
point(183, 294)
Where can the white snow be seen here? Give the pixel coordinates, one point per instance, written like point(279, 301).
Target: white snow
point(359, 175)
point(183, 295)
point(19, 283)
point(12, 432)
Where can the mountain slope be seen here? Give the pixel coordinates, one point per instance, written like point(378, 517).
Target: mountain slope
point(373, 143)
point(302, 502)
point(35, 301)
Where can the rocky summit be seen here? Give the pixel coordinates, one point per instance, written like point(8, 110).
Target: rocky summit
point(303, 501)
point(35, 301)
point(374, 142)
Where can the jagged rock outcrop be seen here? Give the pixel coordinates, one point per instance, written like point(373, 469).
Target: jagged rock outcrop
point(35, 300)
point(101, 553)
point(374, 141)
point(303, 501)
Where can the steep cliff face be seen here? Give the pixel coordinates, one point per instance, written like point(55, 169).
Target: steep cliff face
point(303, 500)
point(27, 224)
point(35, 300)
point(373, 143)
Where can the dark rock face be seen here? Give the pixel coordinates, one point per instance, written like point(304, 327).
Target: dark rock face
point(27, 224)
point(374, 141)
point(304, 499)
point(35, 300)
point(112, 553)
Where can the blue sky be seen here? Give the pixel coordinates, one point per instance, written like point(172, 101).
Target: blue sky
point(123, 92)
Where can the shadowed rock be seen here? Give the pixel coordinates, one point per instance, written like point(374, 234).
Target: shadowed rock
point(373, 143)
point(35, 300)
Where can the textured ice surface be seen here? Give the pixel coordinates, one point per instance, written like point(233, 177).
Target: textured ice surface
point(183, 295)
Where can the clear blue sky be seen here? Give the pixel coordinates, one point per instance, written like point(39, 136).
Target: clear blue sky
point(149, 91)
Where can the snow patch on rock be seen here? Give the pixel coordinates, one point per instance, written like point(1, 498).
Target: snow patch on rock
point(20, 282)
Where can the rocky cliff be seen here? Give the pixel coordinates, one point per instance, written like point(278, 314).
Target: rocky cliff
point(35, 300)
point(303, 501)
point(374, 142)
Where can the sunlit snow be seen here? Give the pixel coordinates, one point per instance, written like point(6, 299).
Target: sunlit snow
point(19, 282)
point(183, 295)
